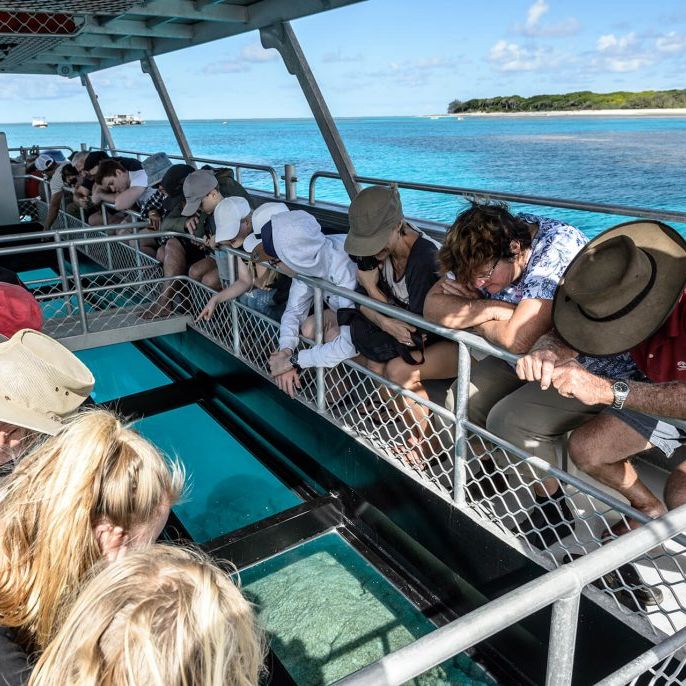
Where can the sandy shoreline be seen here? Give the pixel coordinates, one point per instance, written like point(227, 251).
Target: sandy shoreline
point(665, 112)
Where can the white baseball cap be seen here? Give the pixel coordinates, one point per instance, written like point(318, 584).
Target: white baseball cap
point(227, 217)
point(260, 217)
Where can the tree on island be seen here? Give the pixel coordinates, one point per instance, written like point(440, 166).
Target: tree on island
point(580, 100)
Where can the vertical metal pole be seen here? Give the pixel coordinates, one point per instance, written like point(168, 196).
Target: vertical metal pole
point(235, 330)
point(282, 37)
point(319, 339)
point(562, 642)
point(461, 401)
point(106, 136)
point(62, 270)
point(149, 66)
point(77, 285)
point(291, 181)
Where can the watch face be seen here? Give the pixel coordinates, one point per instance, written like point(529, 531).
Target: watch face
point(620, 387)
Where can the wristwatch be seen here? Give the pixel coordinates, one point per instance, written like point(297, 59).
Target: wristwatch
point(620, 390)
point(293, 359)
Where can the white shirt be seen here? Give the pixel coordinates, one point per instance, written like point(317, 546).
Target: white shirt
point(139, 179)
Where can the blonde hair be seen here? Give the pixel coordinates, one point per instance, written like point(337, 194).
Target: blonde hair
point(93, 470)
point(164, 616)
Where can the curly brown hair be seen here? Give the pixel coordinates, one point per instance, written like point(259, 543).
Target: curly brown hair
point(481, 235)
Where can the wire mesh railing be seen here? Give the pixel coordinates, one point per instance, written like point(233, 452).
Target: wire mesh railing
point(450, 451)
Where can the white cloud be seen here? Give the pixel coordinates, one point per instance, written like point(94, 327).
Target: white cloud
point(338, 56)
point(616, 45)
point(620, 53)
point(230, 66)
point(671, 43)
point(412, 72)
point(536, 11)
point(535, 27)
point(254, 52)
point(513, 57)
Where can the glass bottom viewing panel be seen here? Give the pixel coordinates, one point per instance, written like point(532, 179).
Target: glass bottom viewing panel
point(328, 613)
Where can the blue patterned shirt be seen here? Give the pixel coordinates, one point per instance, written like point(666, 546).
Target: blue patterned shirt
point(553, 247)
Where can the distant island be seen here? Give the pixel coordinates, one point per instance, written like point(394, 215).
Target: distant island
point(581, 100)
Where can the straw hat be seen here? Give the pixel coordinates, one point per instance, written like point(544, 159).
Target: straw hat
point(41, 382)
point(620, 288)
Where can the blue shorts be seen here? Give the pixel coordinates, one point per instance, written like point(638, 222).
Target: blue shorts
point(664, 436)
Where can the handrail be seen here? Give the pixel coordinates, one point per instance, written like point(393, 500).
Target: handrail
point(644, 213)
point(559, 586)
point(207, 160)
point(41, 147)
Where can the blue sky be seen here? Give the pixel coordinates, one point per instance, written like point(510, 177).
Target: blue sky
point(385, 57)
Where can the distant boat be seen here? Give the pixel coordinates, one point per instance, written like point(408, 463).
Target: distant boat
point(39, 122)
point(124, 120)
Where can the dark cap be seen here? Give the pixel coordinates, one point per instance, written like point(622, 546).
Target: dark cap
point(373, 214)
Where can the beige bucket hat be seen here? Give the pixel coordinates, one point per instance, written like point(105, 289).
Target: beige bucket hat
point(41, 382)
point(620, 288)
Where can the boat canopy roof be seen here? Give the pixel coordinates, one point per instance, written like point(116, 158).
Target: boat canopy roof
point(74, 37)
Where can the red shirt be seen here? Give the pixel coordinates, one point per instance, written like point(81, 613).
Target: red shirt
point(662, 357)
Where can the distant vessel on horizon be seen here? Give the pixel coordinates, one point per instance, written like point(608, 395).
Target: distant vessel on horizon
point(124, 120)
point(39, 122)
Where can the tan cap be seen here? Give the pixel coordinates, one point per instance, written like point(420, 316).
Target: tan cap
point(373, 214)
point(41, 382)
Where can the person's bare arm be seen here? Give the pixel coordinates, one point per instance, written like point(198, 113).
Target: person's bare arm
point(457, 312)
point(53, 210)
point(128, 198)
point(664, 399)
point(530, 320)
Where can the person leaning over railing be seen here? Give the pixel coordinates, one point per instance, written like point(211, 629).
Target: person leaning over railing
point(42, 384)
point(203, 190)
point(61, 175)
point(240, 227)
point(92, 491)
point(396, 264)
point(625, 291)
point(163, 615)
point(500, 275)
point(295, 239)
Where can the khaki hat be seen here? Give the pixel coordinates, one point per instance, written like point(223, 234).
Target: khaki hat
point(620, 288)
point(373, 214)
point(41, 382)
point(195, 187)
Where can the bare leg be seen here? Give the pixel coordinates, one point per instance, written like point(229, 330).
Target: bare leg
point(173, 264)
point(440, 362)
point(211, 279)
point(675, 488)
point(602, 448)
point(198, 269)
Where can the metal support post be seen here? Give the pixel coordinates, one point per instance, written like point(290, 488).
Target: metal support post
point(291, 182)
point(319, 339)
point(149, 66)
point(461, 402)
point(235, 329)
point(62, 270)
point(562, 643)
point(281, 37)
point(106, 136)
point(77, 286)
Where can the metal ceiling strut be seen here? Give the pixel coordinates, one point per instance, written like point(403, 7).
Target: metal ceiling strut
point(281, 37)
point(105, 135)
point(149, 66)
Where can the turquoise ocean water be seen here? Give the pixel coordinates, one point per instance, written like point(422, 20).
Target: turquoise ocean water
point(639, 161)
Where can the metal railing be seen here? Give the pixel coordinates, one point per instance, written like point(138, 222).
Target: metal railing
point(562, 588)
point(237, 166)
point(451, 466)
point(622, 210)
point(31, 148)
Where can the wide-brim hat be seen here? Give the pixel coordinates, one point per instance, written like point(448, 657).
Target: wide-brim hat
point(620, 288)
point(41, 382)
point(373, 214)
point(155, 167)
